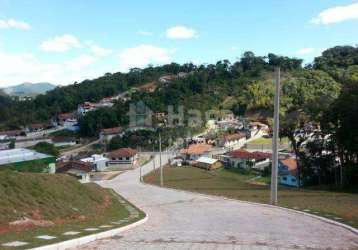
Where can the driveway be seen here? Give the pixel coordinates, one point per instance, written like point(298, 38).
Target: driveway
point(183, 220)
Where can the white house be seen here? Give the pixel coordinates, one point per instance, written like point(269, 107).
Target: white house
point(233, 141)
point(246, 160)
point(194, 151)
point(98, 162)
point(122, 159)
point(287, 170)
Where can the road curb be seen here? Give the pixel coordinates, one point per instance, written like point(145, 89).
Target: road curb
point(347, 227)
point(90, 238)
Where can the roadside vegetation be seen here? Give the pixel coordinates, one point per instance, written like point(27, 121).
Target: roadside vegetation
point(337, 205)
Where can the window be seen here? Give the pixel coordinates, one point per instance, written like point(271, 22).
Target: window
point(284, 178)
point(293, 179)
point(113, 159)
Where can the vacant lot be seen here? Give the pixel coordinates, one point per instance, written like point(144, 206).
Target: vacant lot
point(53, 205)
point(338, 206)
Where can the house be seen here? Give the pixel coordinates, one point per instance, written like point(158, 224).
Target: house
point(78, 169)
point(122, 159)
point(207, 163)
point(287, 172)
point(86, 107)
point(246, 160)
point(167, 78)
point(233, 141)
point(36, 127)
point(63, 141)
point(63, 117)
point(98, 162)
point(11, 134)
point(195, 151)
point(106, 135)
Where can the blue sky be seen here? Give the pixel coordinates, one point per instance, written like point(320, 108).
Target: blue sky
point(66, 41)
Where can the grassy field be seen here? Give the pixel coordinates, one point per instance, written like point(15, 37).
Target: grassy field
point(61, 202)
point(339, 206)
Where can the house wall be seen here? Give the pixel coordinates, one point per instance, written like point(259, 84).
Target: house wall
point(288, 180)
point(122, 163)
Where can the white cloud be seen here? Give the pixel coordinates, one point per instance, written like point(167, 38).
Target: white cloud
point(18, 68)
point(337, 14)
point(80, 62)
point(14, 24)
point(97, 50)
point(142, 55)
point(181, 32)
point(306, 51)
point(61, 43)
point(234, 48)
point(144, 33)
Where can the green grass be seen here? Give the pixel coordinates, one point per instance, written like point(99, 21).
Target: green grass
point(58, 198)
point(35, 166)
point(233, 184)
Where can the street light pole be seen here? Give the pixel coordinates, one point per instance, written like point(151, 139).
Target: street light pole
point(274, 170)
point(160, 160)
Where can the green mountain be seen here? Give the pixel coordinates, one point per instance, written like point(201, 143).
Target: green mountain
point(28, 88)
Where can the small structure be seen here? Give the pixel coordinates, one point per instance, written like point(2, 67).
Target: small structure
point(86, 107)
point(195, 151)
point(246, 160)
point(11, 134)
point(63, 117)
point(78, 169)
point(167, 78)
point(122, 159)
point(207, 163)
point(98, 162)
point(63, 141)
point(287, 172)
point(36, 127)
point(106, 135)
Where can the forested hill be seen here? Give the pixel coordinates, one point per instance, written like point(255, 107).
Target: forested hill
point(245, 85)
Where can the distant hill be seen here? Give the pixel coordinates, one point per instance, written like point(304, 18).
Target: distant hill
point(29, 88)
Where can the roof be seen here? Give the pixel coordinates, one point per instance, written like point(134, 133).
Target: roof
point(195, 149)
point(65, 116)
point(38, 125)
point(206, 160)
point(11, 132)
point(243, 154)
point(236, 136)
point(64, 166)
point(291, 164)
point(123, 152)
point(20, 155)
point(111, 131)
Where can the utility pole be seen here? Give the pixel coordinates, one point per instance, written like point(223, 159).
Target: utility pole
point(153, 157)
point(160, 160)
point(140, 169)
point(275, 139)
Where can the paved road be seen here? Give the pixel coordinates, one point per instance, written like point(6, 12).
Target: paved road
point(182, 220)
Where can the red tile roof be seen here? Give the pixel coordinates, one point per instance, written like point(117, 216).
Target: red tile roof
point(195, 149)
point(291, 164)
point(243, 154)
point(123, 152)
point(64, 166)
point(65, 116)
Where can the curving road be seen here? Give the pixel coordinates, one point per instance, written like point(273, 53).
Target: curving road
point(183, 220)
